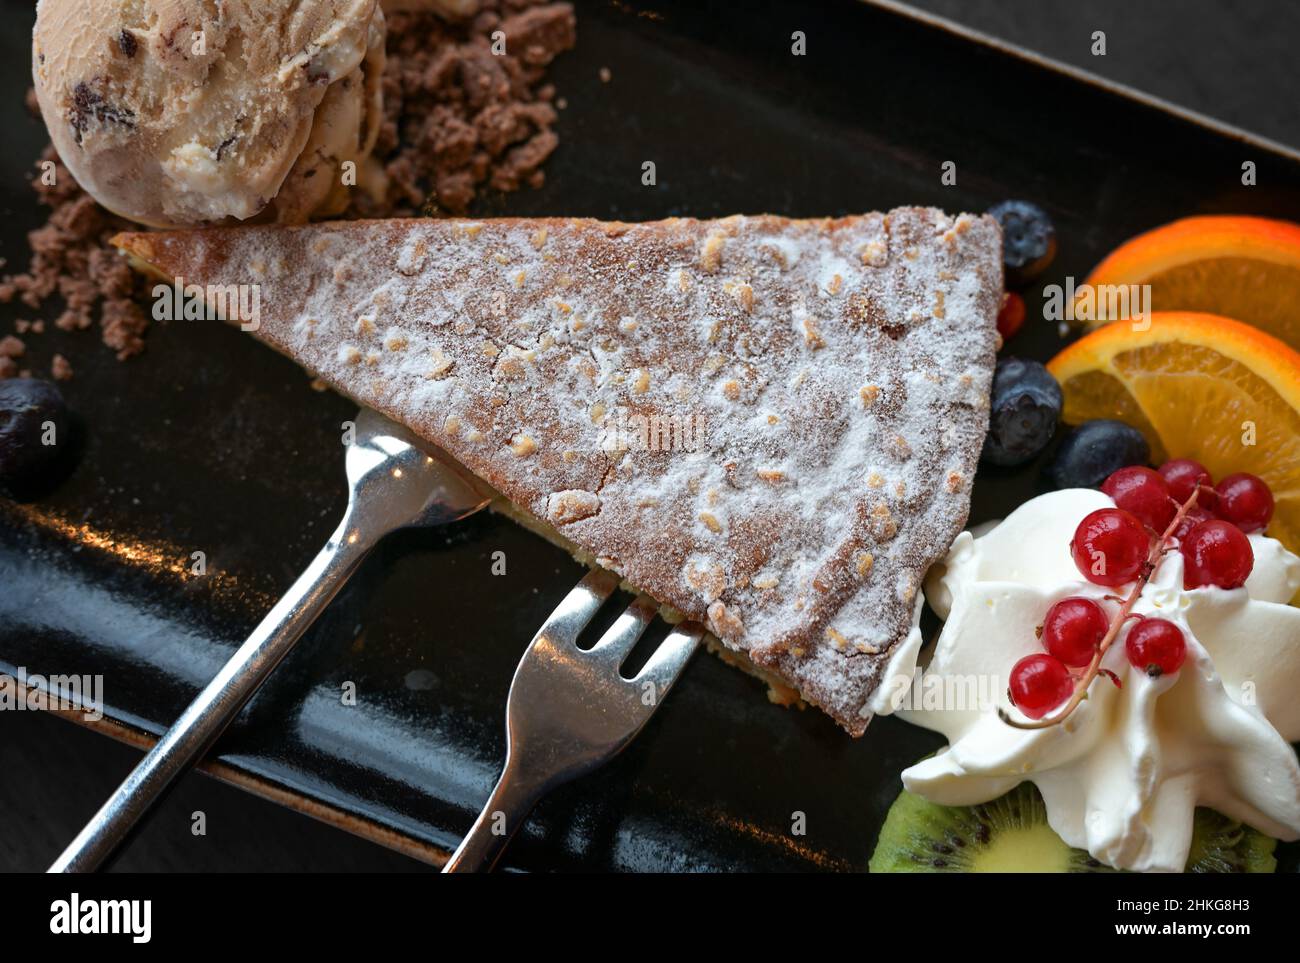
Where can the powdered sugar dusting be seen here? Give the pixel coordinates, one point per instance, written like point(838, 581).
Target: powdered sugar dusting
point(770, 425)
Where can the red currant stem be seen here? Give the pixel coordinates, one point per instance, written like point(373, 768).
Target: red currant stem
point(1154, 558)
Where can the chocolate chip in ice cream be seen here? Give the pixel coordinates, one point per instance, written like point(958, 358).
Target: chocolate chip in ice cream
point(89, 106)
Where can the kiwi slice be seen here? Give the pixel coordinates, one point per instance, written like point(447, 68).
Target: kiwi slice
point(1007, 835)
point(1223, 845)
point(1011, 835)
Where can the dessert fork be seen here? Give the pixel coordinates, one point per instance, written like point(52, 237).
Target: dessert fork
point(393, 483)
point(570, 710)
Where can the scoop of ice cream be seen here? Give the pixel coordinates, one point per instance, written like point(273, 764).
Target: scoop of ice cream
point(1122, 776)
point(183, 112)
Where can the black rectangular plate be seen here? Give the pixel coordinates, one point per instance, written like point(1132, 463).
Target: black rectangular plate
point(211, 443)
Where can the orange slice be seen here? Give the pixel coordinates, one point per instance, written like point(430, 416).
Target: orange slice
point(1246, 268)
point(1197, 386)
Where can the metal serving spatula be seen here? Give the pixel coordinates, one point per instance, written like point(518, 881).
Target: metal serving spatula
point(393, 483)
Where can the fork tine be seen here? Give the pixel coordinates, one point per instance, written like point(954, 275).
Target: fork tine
point(668, 661)
point(622, 636)
point(578, 608)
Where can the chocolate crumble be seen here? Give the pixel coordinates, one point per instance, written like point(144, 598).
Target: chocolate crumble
point(71, 258)
point(458, 118)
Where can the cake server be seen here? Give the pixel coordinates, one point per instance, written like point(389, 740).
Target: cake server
point(570, 710)
point(394, 481)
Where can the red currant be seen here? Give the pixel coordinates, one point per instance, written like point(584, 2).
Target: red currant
point(1195, 515)
point(1182, 475)
point(1073, 629)
point(1012, 316)
point(1246, 501)
point(1039, 683)
point(1110, 547)
point(1156, 646)
point(1216, 553)
point(1143, 493)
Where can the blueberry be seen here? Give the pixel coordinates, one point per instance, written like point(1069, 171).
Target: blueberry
point(34, 430)
point(1028, 240)
point(1094, 450)
point(1024, 409)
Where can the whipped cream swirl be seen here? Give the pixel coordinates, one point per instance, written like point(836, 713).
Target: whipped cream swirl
point(1123, 774)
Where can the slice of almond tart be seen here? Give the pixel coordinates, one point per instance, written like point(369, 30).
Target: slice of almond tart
point(769, 425)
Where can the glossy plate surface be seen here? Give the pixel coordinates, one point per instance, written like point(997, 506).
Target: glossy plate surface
point(212, 443)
